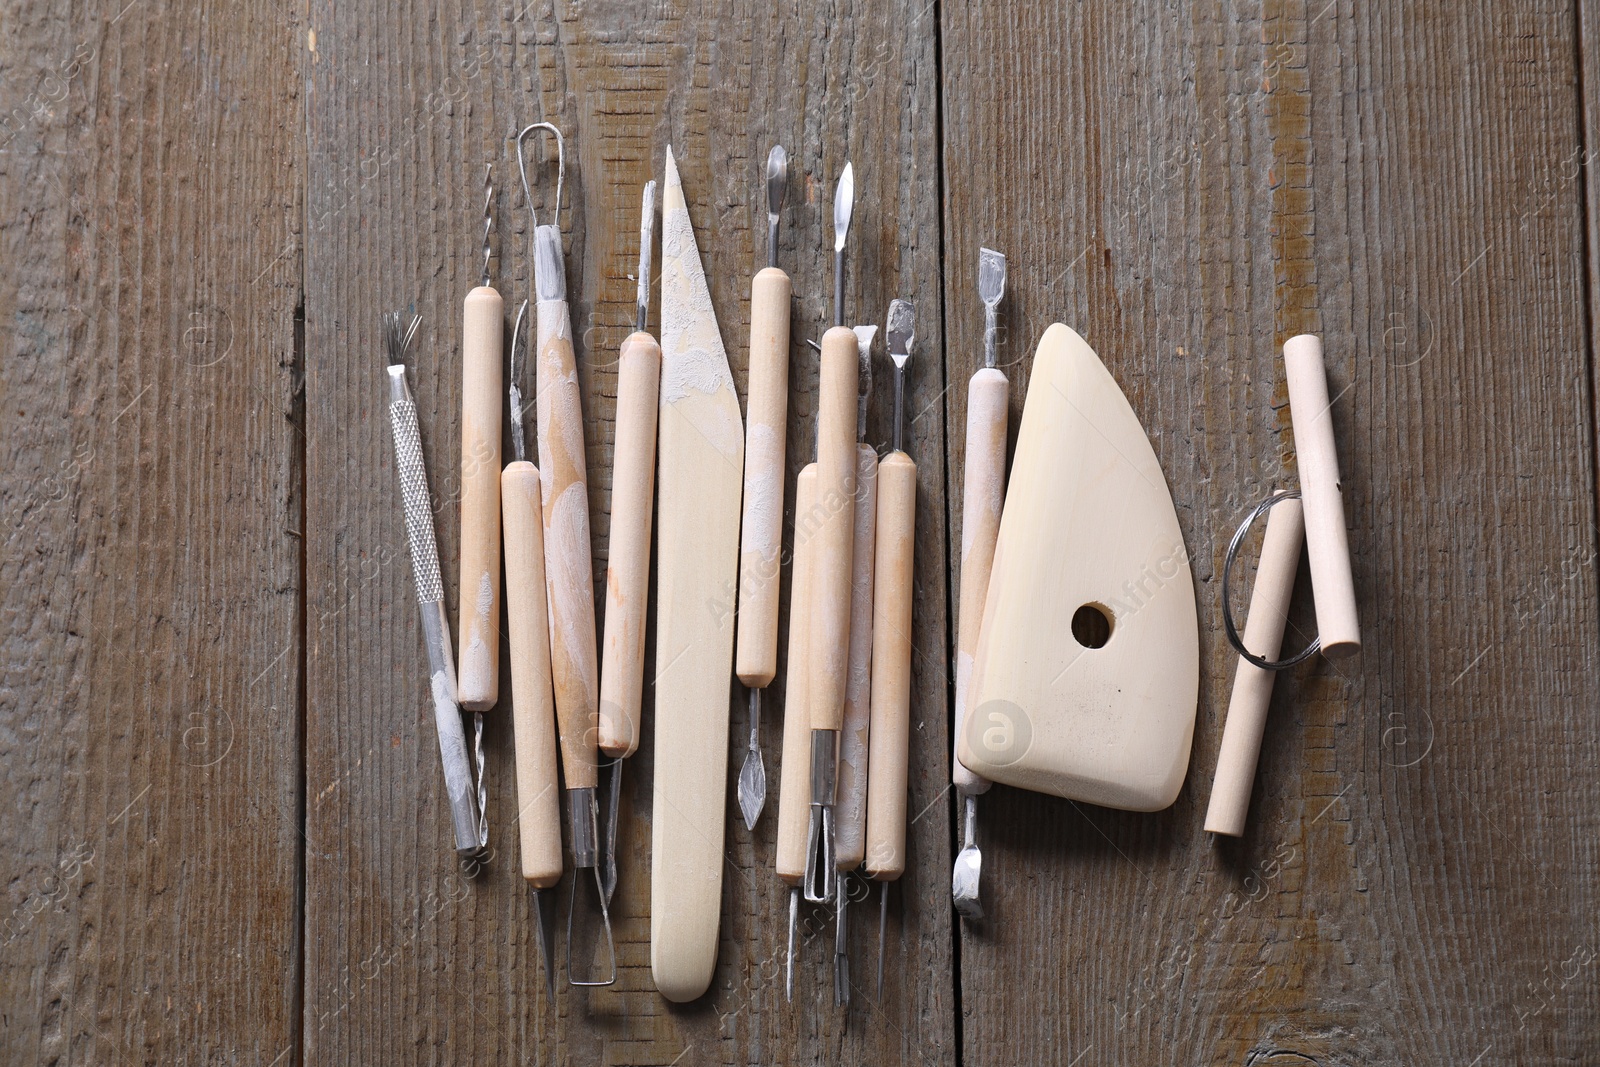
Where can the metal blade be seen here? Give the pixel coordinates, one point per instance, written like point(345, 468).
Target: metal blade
point(519, 359)
point(844, 204)
point(753, 775)
point(991, 276)
point(777, 181)
point(545, 923)
point(964, 879)
point(647, 231)
point(902, 330)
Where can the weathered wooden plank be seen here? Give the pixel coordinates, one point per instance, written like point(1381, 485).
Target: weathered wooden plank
point(1188, 186)
point(150, 579)
point(405, 961)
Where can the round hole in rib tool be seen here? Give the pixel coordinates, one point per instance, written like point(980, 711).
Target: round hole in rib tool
point(1091, 626)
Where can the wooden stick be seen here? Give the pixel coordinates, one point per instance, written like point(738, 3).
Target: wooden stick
point(1327, 542)
point(850, 798)
point(983, 493)
point(478, 683)
point(830, 598)
point(794, 783)
point(533, 701)
point(568, 571)
point(761, 535)
point(891, 667)
point(1252, 686)
point(628, 571)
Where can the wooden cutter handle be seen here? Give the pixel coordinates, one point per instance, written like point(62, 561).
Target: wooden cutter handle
point(761, 532)
point(850, 794)
point(794, 773)
point(1252, 686)
point(891, 667)
point(568, 569)
point(533, 703)
point(628, 571)
point(830, 594)
point(1327, 542)
point(478, 680)
point(983, 493)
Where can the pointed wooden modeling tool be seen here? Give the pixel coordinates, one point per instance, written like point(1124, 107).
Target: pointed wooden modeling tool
point(850, 800)
point(533, 703)
point(701, 471)
point(569, 579)
point(1088, 667)
point(891, 640)
point(761, 531)
point(983, 493)
point(794, 772)
point(628, 570)
point(837, 390)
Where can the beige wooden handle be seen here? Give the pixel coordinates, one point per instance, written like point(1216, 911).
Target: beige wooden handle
point(532, 701)
point(628, 570)
point(830, 594)
point(891, 667)
point(850, 794)
point(1327, 543)
point(568, 569)
point(1252, 686)
point(761, 532)
point(983, 493)
point(794, 773)
point(478, 681)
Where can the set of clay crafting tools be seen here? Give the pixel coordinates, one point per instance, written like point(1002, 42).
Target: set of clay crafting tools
point(1076, 666)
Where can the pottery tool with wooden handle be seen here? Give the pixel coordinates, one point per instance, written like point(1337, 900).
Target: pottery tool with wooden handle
point(533, 702)
point(1087, 675)
point(628, 571)
point(701, 471)
point(850, 800)
point(794, 781)
point(983, 493)
point(478, 684)
point(569, 579)
point(891, 641)
point(761, 531)
point(471, 829)
point(830, 599)
point(1327, 542)
point(1252, 685)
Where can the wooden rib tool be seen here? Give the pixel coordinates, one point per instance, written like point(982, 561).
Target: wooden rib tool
point(891, 640)
point(533, 703)
point(569, 578)
point(701, 470)
point(628, 571)
point(830, 603)
point(983, 492)
point(761, 531)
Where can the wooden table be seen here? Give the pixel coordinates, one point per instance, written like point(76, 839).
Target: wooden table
point(225, 839)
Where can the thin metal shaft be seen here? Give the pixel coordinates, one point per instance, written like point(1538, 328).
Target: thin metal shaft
point(788, 970)
point(488, 222)
point(841, 941)
point(883, 929)
point(838, 288)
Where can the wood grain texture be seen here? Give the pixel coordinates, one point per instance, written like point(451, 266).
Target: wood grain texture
point(227, 839)
point(1188, 187)
point(407, 963)
point(150, 578)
